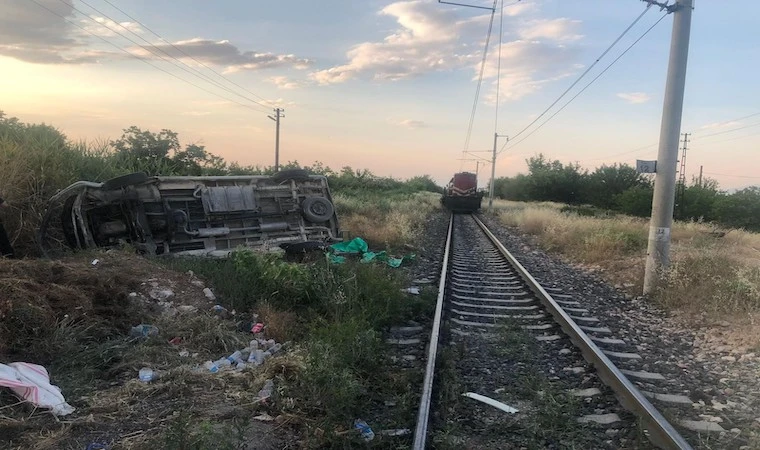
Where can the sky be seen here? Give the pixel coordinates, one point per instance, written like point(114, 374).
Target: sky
point(388, 86)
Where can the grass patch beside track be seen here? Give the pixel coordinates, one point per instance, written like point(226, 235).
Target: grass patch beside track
point(714, 274)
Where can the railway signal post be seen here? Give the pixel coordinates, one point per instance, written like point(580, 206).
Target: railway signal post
point(658, 248)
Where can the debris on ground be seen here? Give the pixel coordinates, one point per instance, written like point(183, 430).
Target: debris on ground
point(489, 401)
point(358, 246)
point(126, 354)
point(31, 383)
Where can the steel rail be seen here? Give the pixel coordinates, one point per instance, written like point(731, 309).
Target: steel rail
point(420, 432)
point(662, 433)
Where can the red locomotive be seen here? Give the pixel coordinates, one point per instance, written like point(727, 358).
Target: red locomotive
point(461, 194)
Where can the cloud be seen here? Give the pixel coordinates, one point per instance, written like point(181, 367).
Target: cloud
point(426, 41)
point(287, 83)
point(29, 32)
point(409, 123)
point(562, 29)
point(719, 125)
point(224, 54)
point(107, 27)
point(45, 35)
point(433, 39)
point(526, 66)
point(635, 97)
point(279, 103)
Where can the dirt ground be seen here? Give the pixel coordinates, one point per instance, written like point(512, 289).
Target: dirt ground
point(73, 316)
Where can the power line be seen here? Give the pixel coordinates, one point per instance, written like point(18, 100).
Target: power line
point(183, 52)
point(729, 131)
point(725, 122)
point(589, 84)
point(727, 175)
point(584, 73)
point(480, 78)
point(153, 50)
point(498, 69)
point(140, 58)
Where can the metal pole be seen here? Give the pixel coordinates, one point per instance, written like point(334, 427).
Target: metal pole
point(493, 172)
point(277, 143)
point(658, 248)
point(276, 118)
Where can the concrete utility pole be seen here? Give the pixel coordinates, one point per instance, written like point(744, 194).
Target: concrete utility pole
point(700, 176)
point(278, 114)
point(493, 172)
point(658, 249)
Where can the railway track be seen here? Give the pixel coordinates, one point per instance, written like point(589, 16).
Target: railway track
point(483, 289)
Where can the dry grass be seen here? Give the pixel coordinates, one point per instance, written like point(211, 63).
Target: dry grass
point(712, 277)
point(385, 222)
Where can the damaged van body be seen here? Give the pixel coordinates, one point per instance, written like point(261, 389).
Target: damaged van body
point(191, 215)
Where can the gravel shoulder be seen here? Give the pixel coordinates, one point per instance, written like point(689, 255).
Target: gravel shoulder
point(719, 379)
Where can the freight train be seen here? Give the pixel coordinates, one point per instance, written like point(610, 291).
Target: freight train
point(461, 194)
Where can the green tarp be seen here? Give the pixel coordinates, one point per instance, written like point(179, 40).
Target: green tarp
point(358, 246)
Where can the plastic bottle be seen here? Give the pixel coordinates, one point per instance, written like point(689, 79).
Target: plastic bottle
point(235, 357)
point(146, 374)
point(275, 348)
point(143, 330)
point(267, 390)
point(213, 368)
point(364, 429)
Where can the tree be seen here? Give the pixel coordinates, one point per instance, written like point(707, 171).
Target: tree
point(607, 182)
point(635, 201)
point(553, 181)
point(740, 209)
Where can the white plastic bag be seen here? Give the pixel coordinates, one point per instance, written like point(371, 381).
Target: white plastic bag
point(31, 382)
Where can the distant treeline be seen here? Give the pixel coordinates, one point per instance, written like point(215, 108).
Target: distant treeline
point(620, 188)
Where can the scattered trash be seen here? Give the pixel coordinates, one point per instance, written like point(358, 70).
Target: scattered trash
point(213, 368)
point(257, 328)
point(95, 262)
point(161, 294)
point(96, 446)
point(209, 294)
point(146, 374)
point(184, 354)
point(143, 330)
point(359, 246)
point(396, 432)
point(412, 290)
point(364, 429)
point(31, 382)
point(489, 401)
point(187, 308)
point(221, 311)
point(266, 391)
point(264, 417)
point(175, 340)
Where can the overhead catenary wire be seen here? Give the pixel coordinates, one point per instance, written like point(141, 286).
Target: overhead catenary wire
point(154, 50)
point(599, 58)
point(183, 52)
point(480, 78)
point(498, 69)
point(587, 85)
point(141, 58)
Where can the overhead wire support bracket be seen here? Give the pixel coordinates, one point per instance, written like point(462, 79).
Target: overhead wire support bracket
point(469, 6)
point(664, 5)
